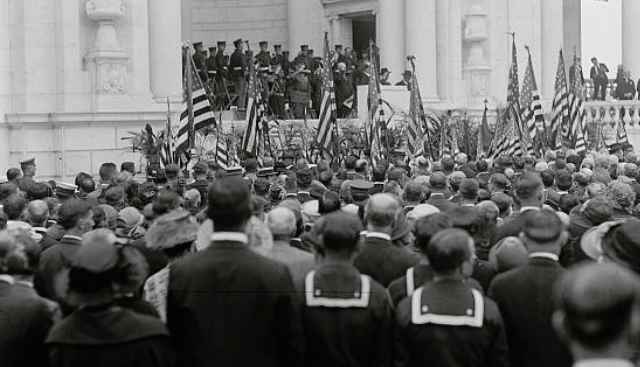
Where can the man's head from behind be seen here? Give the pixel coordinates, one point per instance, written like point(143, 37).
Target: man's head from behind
point(529, 190)
point(229, 204)
point(451, 251)
point(37, 213)
point(282, 223)
point(427, 227)
point(75, 214)
point(107, 173)
point(543, 231)
point(381, 212)
point(597, 311)
point(341, 234)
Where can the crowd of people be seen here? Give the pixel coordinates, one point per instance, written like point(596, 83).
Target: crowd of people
point(512, 262)
point(291, 87)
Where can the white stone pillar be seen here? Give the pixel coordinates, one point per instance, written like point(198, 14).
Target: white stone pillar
point(165, 60)
point(552, 26)
point(420, 35)
point(391, 36)
point(302, 25)
point(449, 46)
point(630, 49)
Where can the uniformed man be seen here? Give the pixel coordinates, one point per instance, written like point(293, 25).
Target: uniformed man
point(28, 167)
point(201, 183)
point(222, 61)
point(303, 56)
point(459, 325)
point(200, 60)
point(237, 70)
point(299, 89)
point(212, 68)
point(348, 311)
point(263, 58)
point(278, 59)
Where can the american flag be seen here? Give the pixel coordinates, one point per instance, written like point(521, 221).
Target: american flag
point(255, 111)
point(199, 103)
point(508, 142)
point(530, 103)
point(416, 118)
point(376, 112)
point(621, 134)
point(222, 153)
point(327, 115)
point(484, 136)
point(559, 125)
point(576, 112)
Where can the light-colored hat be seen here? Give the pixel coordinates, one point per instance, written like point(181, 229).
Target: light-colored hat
point(422, 210)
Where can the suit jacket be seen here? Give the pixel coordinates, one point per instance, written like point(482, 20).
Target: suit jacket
point(384, 261)
point(228, 306)
point(25, 322)
point(512, 225)
point(298, 261)
point(524, 297)
point(52, 261)
point(625, 86)
point(440, 202)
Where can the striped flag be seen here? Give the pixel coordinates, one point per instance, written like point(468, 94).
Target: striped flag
point(576, 113)
point(416, 118)
point(530, 103)
point(222, 153)
point(327, 115)
point(376, 122)
point(621, 134)
point(254, 113)
point(512, 143)
point(196, 110)
point(559, 125)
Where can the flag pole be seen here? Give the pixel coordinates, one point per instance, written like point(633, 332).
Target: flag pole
point(189, 82)
point(168, 136)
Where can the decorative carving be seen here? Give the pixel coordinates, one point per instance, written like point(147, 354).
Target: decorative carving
point(112, 78)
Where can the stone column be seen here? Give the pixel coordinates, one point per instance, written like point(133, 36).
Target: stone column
point(391, 36)
point(301, 25)
point(552, 25)
point(449, 45)
point(630, 50)
point(165, 59)
point(420, 35)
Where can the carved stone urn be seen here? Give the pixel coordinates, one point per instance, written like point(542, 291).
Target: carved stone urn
point(107, 61)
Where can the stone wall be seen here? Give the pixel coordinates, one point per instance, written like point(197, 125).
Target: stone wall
point(210, 21)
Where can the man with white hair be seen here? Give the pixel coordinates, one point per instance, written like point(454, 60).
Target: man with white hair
point(282, 224)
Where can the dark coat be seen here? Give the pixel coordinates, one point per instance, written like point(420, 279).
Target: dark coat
point(524, 297)
point(345, 335)
point(442, 342)
point(52, 261)
point(228, 306)
point(236, 65)
point(440, 202)
point(24, 323)
point(112, 336)
point(384, 261)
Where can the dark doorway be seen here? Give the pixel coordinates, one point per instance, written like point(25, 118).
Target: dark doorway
point(364, 29)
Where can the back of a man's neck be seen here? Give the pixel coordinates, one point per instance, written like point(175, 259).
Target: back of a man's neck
point(372, 229)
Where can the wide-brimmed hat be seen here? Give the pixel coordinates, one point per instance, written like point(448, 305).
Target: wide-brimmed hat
point(100, 261)
point(170, 230)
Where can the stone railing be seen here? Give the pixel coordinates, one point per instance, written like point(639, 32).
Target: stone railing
point(611, 112)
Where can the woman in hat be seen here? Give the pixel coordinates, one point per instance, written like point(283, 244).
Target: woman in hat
point(174, 234)
point(99, 332)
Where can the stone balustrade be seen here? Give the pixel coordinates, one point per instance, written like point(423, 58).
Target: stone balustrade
point(611, 112)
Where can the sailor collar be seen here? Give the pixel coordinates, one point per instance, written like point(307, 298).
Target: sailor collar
point(230, 236)
point(315, 298)
point(420, 313)
point(380, 235)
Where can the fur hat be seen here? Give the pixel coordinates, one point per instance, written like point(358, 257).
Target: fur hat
point(172, 229)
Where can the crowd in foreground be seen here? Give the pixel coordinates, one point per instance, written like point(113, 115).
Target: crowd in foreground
point(521, 262)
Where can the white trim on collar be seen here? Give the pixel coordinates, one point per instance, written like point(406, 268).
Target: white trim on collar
point(418, 318)
point(410, 281)
point(6, 278)
point(527, 208)
point(546, 255)
point(380, 235)
point(315, 300)
point(603, 362)
point(230, 236)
